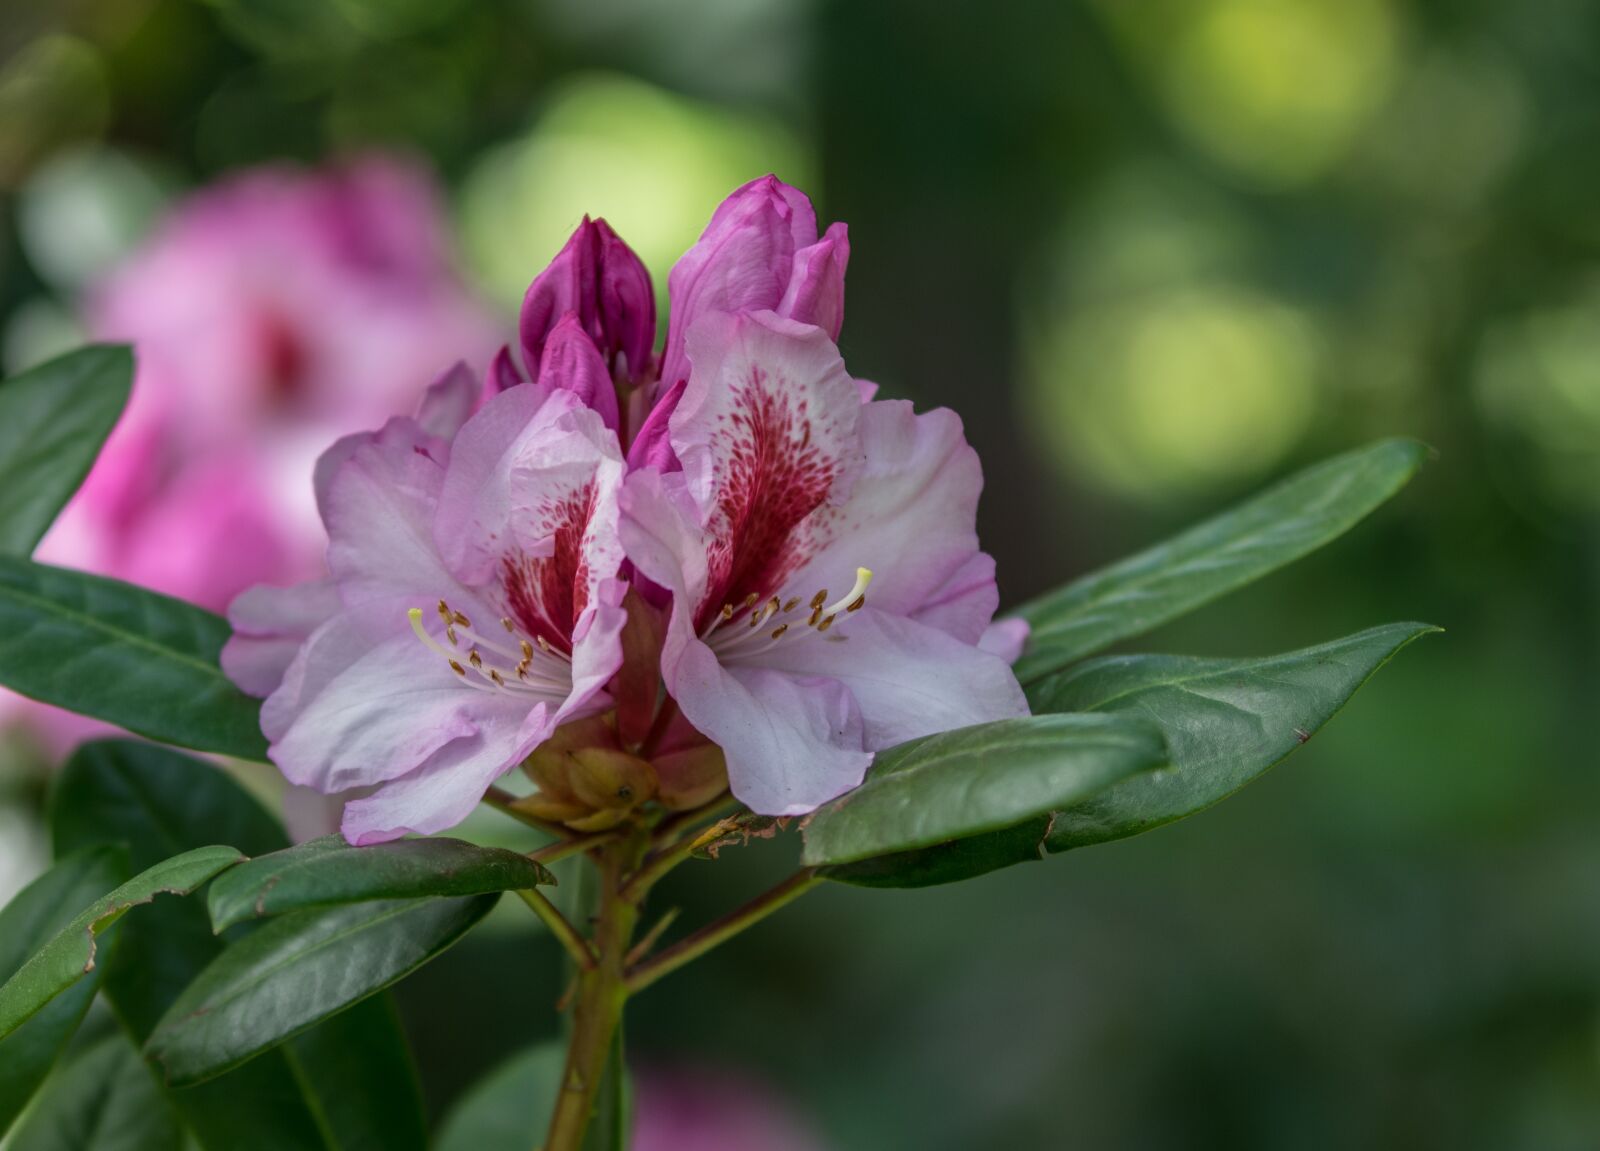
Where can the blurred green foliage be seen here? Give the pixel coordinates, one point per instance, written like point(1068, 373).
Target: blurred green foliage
point(1154, 253)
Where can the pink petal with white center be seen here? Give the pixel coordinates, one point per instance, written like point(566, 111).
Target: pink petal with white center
point(528, 512)
point(790, 745)
point(269, 625)
point(907, 679)
point(766, 433)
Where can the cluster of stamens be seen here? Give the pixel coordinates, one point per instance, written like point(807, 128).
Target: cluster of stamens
point(539, 667)
point(758, 634)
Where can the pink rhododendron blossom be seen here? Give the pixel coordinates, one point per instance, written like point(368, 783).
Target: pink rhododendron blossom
point(270, 314)
point(828, 592)
point(807, 586)
point(506, 529)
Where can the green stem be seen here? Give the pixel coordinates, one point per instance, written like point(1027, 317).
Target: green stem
point(562, 849)
point(567, 935)
point(602, 992)
point(694, 946)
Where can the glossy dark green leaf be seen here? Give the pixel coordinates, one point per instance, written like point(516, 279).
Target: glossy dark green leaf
point(329, 871)
point(53, 420)
point(116, 652)
point(104, 1099)
point(979, 779)
point(1226, 722)
point(27, 923)
point(70, 954)
point(1243, 544)
point(298, 970)
point(510, 1109)
point(346, 1085)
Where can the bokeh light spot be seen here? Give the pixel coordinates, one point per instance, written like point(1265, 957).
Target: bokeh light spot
point(1275, 89)
point(1171, 395)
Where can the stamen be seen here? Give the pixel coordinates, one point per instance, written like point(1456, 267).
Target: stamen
point(777, 632)
point(475, 659)
point(461, 619)
point(510, 627)
point(826, 623)
point(457, 668)
point(792, 604)
point(847, 602)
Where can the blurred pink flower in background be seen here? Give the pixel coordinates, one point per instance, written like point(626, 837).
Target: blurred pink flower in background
point(705, 1110)
point(271, 314)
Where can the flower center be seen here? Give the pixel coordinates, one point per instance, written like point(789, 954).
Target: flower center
point(753, 626)
point(514, 665)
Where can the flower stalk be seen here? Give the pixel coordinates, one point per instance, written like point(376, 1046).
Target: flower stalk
point(602, 992)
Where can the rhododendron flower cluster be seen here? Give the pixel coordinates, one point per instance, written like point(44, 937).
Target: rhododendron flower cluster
point(634, 572)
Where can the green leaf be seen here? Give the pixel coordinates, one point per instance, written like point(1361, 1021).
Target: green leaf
point(1243, 544)
point(346, 1085)
point(1226, 722)
point(298, 970)
point(116, 652)
point(329, 871)
point(510, 1109)
point(979, 779)
point(53, 420)
point(105, 1099)
point(70, 954)
point(27, 923)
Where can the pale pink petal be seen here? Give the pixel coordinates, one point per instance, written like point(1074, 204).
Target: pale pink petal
point(442, 791)
point(964, 605)
point(269, 625)
point(907, 679)
point(379, 505)
point(448, 401)
point(910, 519)
point(1006, 638)
point(356, 713)
point(792, 743)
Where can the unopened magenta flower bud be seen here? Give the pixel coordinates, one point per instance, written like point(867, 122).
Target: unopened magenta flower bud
point(760, 252)
point(598, 278)
point(815, 294)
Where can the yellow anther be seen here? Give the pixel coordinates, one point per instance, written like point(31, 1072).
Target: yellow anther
point(458, 669)
point(777, 632)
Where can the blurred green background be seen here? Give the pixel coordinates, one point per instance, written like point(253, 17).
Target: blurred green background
point(1156, 252)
